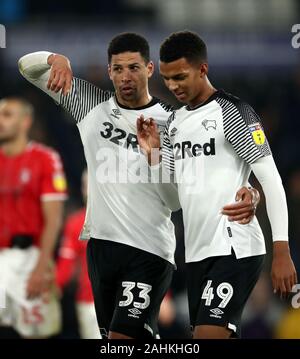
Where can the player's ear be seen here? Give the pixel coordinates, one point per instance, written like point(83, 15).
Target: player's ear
point(27, 123)
point(109, 71)
point(203, 69)
point(150, 68)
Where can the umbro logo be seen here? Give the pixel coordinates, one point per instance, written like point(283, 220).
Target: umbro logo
point(173, 131)
point(134, 312)
point(209, 124)
point(217, 313)
point(116, 113)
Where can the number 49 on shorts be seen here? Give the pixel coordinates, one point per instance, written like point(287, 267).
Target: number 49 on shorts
point(224, 291)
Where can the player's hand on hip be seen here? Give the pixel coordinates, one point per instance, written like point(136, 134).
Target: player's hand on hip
point(243, 210)
point(40, 281)
point(283, 272)
point(148, 137)
point(61, 74)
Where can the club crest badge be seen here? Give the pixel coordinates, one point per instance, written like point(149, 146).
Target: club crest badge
point(209, 124)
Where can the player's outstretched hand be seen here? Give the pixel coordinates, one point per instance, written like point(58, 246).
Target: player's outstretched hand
point(283, 272)
point(243, 210)
point(148, 138)
point(61, 74)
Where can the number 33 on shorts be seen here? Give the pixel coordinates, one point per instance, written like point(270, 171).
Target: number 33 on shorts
point(224, 291)
point(143, 294)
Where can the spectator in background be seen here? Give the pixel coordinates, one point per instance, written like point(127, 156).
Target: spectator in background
point(32, 191)
point(72, 258)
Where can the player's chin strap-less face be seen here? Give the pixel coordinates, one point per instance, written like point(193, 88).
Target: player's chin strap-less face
point(129, 74)
point(13, 121)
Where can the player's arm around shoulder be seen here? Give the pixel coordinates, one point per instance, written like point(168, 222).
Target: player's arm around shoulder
point(243, 210)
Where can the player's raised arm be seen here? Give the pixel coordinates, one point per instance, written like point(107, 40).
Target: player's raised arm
point(61, 74)
point(37, 70)
point(52, 73)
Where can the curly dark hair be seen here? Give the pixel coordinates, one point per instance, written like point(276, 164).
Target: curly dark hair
point(129, 41)
point(185, 44)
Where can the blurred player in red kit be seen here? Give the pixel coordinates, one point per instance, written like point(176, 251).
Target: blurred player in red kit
point(32, 191)
point(72, 258)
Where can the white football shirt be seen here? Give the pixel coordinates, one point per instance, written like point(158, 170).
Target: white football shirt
point(210, 148)
point(122, 206)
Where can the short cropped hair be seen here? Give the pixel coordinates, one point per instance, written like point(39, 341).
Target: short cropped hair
point(183, 44)
point(129, 41)
point(26, 107)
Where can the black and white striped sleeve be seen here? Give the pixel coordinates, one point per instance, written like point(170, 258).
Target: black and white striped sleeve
point(82, 98)
point(167, 148)
point(243, 129)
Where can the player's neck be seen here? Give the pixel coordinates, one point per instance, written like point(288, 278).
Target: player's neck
point(204, 95)
point(136, 103)
point(15, 147)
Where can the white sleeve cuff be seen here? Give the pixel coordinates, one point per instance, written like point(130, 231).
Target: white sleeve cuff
point(267, 174)
point(34, 67)
point(34, 60)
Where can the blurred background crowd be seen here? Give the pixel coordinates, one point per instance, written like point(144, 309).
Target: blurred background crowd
point(250, 55)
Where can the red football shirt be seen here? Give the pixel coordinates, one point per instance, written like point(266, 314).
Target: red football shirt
point(26, 179)
point(72, 254)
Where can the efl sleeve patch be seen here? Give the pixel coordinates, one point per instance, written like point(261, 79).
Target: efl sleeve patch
point(257, 133)
point(59, 182)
